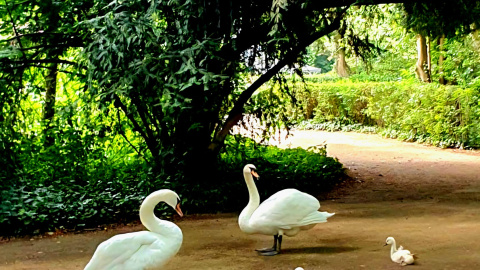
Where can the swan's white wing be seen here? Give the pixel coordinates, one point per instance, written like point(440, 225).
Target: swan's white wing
point(132, 251)
point(401, 256)
point(287, 209)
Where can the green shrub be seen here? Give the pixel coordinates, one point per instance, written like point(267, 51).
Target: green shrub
point(309, 170)
point(106, 194)
point(77, 183)
point(224, 190)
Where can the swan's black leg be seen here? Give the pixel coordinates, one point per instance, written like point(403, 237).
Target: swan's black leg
point(279, 243)
point(273, 250)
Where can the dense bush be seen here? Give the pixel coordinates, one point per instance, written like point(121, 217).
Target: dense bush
point(72, 187)
point(54, 192)
point(307, 170)
point(446, 116)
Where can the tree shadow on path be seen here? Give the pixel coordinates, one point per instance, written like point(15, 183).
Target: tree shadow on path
point(319, 250)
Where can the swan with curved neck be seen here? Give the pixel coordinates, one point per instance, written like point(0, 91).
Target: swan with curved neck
point(145, 249)
point(400, 255)
point(286, 212)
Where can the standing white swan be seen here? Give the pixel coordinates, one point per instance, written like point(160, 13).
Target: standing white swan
point(400, 255)
point(284, 213)
point(145, 249)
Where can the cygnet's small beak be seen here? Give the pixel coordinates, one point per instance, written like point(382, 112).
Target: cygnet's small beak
point(179, 211)
point(385, 244)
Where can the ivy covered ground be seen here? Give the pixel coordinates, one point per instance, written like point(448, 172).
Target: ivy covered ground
point(427, 198)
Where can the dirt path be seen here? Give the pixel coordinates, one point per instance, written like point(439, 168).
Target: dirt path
point(427, 198)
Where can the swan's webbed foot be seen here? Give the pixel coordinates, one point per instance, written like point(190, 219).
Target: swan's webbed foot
point(277, 242)
point(265, 249)
point(268, 253)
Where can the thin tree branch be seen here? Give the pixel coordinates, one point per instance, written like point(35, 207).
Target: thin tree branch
point(43, 61)
point(62, 71)
point(149, 138)
point(119, 104)
point(125, 137)
point(17, 36)
point(142, 113)
point(14, 28)
point(323, 4)
point(55, 46)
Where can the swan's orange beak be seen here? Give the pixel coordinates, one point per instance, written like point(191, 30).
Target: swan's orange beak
point(179, 211)
point(254, 173)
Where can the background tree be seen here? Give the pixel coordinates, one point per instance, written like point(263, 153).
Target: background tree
point(341, 66)
point(437, 20)
point(423, 67)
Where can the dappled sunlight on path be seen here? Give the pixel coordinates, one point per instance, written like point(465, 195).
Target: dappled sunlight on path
point(387, 169)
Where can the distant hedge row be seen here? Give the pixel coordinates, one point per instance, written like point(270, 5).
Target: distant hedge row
point(447, 116)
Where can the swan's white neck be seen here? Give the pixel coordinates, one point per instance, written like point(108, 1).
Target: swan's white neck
point(393, 249)
point(151, 222)
point(253, 203)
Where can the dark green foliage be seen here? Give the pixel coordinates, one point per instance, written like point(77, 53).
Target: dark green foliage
point(52, 193)
point(309, 170)
point(434, 18)
point(74, 187)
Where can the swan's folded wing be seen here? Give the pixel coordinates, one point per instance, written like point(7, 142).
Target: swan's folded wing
point(119, 249)
point(286, 209)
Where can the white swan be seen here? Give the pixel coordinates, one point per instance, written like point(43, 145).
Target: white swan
point(400, 255)
point(284, 213)
point(145, 249)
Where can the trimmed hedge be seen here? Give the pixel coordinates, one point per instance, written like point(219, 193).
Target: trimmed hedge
point(446, 116)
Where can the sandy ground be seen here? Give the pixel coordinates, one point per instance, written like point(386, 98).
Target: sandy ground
point(427, 198)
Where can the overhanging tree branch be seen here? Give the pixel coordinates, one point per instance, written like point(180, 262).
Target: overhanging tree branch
point(236, 113)
point(323, 4)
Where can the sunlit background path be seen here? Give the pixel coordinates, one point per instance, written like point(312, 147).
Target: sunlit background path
point(427, 198)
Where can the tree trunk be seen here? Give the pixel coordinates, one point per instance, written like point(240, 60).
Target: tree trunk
point(49, 105)
point(429, 59)
point(441, 58)
point(422, 59)
point(341, 67)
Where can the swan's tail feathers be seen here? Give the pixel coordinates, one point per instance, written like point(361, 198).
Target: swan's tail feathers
point(325, 215)
point(328, 214)
point(316, 217)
